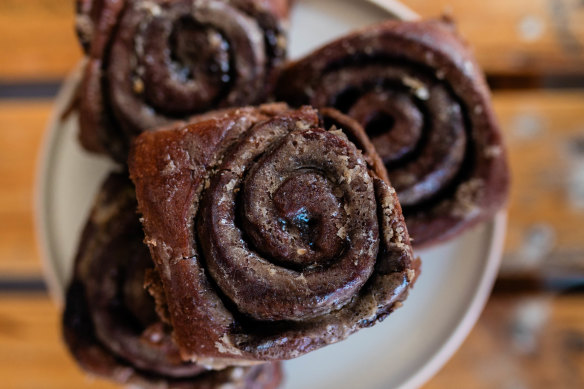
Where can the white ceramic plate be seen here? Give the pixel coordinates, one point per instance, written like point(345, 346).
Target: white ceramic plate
point(402, 352)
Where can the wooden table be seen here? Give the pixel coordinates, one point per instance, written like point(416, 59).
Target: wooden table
point(531, 334)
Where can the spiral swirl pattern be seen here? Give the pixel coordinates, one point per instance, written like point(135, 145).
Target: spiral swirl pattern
point(418, 93)
point(110, 323)
point(152, 62)
point(273, 235)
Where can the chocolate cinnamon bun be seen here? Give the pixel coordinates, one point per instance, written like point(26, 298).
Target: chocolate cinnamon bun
point(152, 62)
point(110, 323)
point(418, 92)
point(272, 231)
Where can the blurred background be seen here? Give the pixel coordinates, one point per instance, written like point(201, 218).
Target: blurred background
point(531, 334)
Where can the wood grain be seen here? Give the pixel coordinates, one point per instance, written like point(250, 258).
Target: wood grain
point(521, 341)
point(519, 36)
point(531, 341)
point(22, 124)
point(33, 355)
point(37, 39)
point(544, 132)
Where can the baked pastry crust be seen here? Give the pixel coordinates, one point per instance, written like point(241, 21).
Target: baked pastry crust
point(110, 324)
point(152, 62)
point(419, 93)
point(272, 236)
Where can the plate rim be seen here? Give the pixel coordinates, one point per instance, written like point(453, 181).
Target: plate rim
point(45, 165)
point(41, 185)
point(475, 305)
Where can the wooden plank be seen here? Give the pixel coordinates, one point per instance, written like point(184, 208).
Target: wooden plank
point(21, 128)
point(33, 355)
point(510, 37)
point(544, 132)
point(545, 137)
point(519, 36)
point(532, 341)
point(37, 39)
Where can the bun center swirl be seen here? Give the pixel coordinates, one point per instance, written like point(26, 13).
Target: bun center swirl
point(392, 121)
point(414, 121)
point(289, 225)
point(305, 219)
point(185, 57)
point(197, 58)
